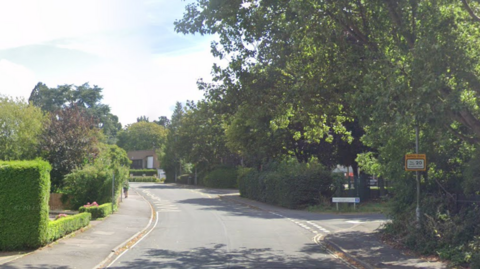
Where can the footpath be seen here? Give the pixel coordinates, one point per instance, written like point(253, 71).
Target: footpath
point(89, 248)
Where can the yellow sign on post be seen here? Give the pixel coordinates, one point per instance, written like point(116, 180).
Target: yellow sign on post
point(415, 162)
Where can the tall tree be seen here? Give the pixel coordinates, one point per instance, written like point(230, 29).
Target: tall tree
point(142, 136)
point(163, 121)
point(83, 97)
point(143, 118)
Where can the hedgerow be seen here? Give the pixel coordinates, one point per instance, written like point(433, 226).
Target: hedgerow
point(97, 212)
point(143, 179)
point(63, 226)
point(221, 177)
point(24, 195)
point(287, 183)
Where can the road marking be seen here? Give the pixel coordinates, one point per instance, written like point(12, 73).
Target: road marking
point(299, 223)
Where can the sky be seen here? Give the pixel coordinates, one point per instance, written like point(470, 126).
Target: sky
point(127, 47)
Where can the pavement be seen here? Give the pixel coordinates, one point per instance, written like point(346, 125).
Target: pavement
point(98, 245)
point(94, 246)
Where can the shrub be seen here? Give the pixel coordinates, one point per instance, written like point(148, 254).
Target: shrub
point(287, 183)
point(97, 211)
point(94, 181)
point(141, 172)
point(185, 179)
point(143, 179)
point(65, 225)
point(221, 177)
point(24, 195)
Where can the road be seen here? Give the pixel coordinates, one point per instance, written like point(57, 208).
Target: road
point(197, 229)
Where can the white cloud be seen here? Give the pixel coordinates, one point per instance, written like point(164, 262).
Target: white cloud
point(126, 47)
point(16, 80)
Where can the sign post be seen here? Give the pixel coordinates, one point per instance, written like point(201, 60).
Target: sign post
point(416, 162)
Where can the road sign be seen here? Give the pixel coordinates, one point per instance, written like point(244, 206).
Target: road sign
point(415, 162)
point(355, 200)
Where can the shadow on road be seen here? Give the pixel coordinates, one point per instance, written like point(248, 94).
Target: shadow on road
point(218, 256)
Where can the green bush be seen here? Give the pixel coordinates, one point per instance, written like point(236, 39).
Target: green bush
point(143, 179)
point(24, 195)
point(221, 177)
point(185, 179)
point(287, 183)
point(94, 181)
point(63, 226)
point(141, 172)
point(97, 212)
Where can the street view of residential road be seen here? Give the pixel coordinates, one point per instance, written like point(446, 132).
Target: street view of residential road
point(178, 226)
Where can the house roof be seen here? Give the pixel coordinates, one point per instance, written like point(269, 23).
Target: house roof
point(140, 154)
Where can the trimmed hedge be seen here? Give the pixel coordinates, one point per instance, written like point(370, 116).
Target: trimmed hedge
point(221, 177)
point(141, 172)
point(143, 179)
point(288, 183)
point(97, 212)
point(63, 226)
point(24, 195)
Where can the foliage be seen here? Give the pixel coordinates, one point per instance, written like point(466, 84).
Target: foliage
point(63, 226)
point(85, 97)
point(304, 70)
point(144, 179)
point(143, 118)
point(170, 159)
point(141, 172)
point(24, 198)
point(21, 127)
point(97, 212)
point(287, 183)
point(221, 177)
point(94, 181)
point(68, 142)
point(142, 136)
point(162, 121)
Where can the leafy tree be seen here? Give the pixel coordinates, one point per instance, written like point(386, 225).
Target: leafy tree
point(84, 97)
point(68, 142)
point(312, 67)
point(142, 118)
point(21, 127)
point(163, 121)
point(141, 136)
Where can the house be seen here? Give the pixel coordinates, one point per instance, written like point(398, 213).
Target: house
point(143, 159)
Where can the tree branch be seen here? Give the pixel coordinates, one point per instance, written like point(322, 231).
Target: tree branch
point(470, 11)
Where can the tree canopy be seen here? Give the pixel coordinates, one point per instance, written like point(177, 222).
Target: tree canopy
point(21, 127)
point(142, 136)
point(83, 97)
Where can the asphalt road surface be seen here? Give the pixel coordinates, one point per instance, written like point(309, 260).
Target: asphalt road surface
point(197, 229)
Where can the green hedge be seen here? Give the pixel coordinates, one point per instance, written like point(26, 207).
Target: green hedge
point(24, 195)
point(143, 179)
point(288, 183)
point(97, 212)
point(94, 181)
point(141, 172)
point(221, 177)
point(63, 226)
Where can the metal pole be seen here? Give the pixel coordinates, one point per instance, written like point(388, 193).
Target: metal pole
point(417, 211)
point(113, 191)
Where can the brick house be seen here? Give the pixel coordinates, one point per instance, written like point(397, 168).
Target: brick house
point(143, 159)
